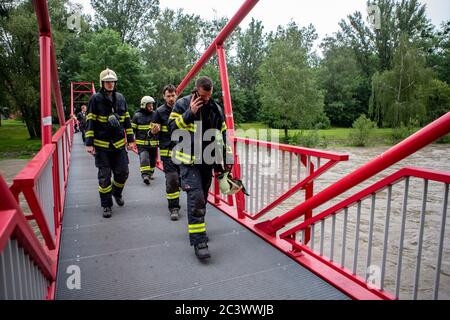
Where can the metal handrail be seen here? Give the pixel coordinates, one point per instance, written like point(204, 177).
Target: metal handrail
point(278, 190)
point(413, 143)
point(370, 193)
point(26, 271)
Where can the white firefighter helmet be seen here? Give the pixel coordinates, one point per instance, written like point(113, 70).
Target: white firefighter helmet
point(107, 75)
point(228, 185)
point(145, 100)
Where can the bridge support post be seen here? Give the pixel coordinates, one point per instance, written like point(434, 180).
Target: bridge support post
point(46, 89)
point(230, 122)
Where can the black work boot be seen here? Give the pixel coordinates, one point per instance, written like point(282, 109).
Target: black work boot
point(107, 212)
point(174, 214)
point(201, 250)
point(119, 200)
point(146, 180)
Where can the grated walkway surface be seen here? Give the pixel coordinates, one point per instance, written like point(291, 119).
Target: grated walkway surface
point(140, 254)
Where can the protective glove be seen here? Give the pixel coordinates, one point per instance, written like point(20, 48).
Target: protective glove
point(113, 121)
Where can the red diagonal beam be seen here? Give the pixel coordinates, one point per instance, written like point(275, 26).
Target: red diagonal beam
point(219, 40)
point(43, 20)
point(417, 141)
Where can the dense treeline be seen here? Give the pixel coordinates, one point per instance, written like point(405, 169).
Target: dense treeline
point(396, 73)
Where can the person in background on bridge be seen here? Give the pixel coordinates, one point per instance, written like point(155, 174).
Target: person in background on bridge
point(146, 138)
point(81, 118)
point(193, 116)
point(75, 124)
point(108, 122)
point(171, 170)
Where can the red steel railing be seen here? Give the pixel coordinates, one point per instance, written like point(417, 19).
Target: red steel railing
point(349, 253)
point(28, 271)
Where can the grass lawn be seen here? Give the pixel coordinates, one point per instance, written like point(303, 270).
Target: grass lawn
point(15, 142)
point(333, 136)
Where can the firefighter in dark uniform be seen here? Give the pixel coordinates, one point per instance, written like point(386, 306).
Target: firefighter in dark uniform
point(108, 131)
point(146, 141)
point(81, 118)
point(171, 170)
point(192, 117)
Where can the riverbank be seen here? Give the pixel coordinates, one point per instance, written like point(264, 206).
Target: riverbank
point(328, 138)
point(15, 142)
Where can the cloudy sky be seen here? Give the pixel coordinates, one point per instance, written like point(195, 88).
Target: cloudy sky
point(323, 14)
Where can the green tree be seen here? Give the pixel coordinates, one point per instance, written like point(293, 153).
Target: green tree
point(289, 92)
point(395, 99)
point(19, 64)
point(170, 50)
point(132, 19)
point(436, 96)
point(105, 49)
point(341, 78)
point(439, 57)
point(374, 47)
point(250, 51)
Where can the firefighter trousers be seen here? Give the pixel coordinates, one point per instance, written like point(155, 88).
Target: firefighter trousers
point(147, 158)
point(196, 180)
point(111, 163)
point(172, 173)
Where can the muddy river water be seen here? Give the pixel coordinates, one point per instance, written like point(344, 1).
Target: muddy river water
point(435, 157)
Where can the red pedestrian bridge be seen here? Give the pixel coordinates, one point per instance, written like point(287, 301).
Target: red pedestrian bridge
point(371, 244)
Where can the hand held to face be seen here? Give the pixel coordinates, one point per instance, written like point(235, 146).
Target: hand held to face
point(196, 103)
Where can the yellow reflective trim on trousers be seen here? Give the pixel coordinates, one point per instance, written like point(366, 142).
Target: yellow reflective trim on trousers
point(165, 153)
point(119, 143)
point(146, 168)
point(133, 125)
point(129, 131)
point(89, 134)
point(197, 230)
point(172, 196)
point(152, 143)
point(142, 142)
point(119, 185)
point(122, 118)
point(101, 143)
point(197, 225)
point(184, 158)
point(91, 116)
point(224, 127)
point(164, 129)
point(105, 190)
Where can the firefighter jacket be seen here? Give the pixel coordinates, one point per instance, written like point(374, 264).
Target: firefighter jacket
point(209, 116)
point(165, 142)
point(81, 117)
point(141, 124)
point(100, 133)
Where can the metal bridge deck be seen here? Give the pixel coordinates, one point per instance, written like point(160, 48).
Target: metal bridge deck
point(140, 254)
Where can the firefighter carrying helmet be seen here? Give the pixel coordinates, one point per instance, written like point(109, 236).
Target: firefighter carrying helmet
point(228, 185)
point(145, 100)
point(107, 75)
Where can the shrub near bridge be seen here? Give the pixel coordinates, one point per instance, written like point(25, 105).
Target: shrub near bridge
point(362, 128)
